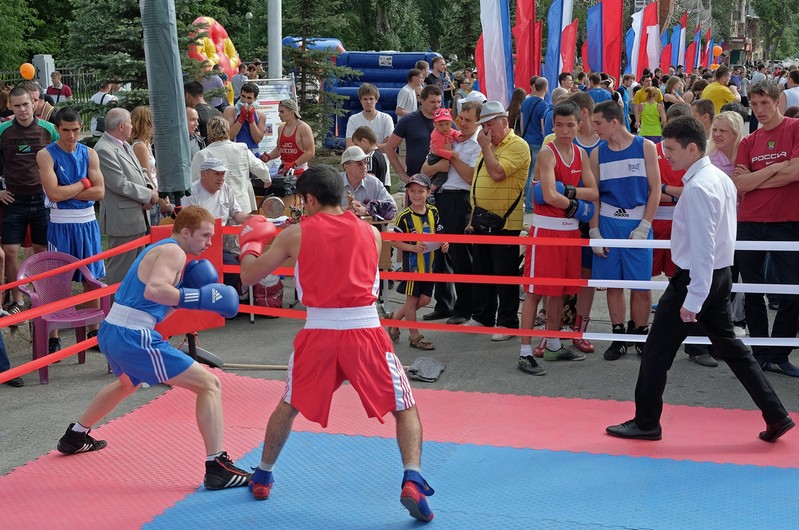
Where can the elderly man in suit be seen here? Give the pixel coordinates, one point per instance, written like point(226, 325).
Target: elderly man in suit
point(128, 193)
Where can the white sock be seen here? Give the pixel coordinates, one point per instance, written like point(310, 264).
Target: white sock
point(526, 350)
point(418, 469)
point(553, 344)
point(210, 458)
point(266, 467)
point(80, 428)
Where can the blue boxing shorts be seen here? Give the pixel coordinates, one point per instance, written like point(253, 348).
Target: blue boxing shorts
point(141, 354)
point(622, 263)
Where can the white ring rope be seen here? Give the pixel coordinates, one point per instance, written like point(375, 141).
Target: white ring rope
point(665, 243)
point(749, 341)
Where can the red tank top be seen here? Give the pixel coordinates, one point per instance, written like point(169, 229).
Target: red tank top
point(570, 174)
point(668, 176)
point(289, 149)
point(337, 265)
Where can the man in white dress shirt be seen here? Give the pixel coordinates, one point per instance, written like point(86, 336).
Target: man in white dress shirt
point(215, 195)
point(702, 247)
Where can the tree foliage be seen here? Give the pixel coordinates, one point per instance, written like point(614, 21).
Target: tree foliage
point(774, 25)
point(18, 21)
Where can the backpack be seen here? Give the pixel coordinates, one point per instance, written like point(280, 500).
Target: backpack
point(99, 123)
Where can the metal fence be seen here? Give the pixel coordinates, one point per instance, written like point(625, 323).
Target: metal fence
point(84, 83)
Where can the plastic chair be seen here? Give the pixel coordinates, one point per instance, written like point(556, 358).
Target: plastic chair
point(51, 289)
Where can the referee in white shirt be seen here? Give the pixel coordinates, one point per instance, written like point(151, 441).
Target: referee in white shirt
point(702, 247)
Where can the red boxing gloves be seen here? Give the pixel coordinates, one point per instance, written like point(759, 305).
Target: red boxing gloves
point(242, 116)
point(86, 183)
point(251, 115)
point(255, 233)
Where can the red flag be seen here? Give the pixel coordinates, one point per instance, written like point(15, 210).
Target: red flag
point(665, 58)
point(479, 60)
point(647, 55)
point(690, 55)
point(538, 31)
point(523, 67)
point(568, 46)
point(612, 35)
point(584, 53)
point(523, 35)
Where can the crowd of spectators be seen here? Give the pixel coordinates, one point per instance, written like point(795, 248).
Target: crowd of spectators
point(486, 182)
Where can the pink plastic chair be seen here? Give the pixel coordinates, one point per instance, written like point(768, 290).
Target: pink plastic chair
point(51, 289)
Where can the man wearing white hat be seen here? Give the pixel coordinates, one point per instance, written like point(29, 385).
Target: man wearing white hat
point(497, 190)
point(364, 194)
point(215, 195)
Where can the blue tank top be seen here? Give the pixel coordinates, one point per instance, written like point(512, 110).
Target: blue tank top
point(622, 175)
point(131, 290)
point(69, 169)
point(244, 136)
point(587, 148)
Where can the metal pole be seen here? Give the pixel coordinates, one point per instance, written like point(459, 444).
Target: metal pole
point(275, 36)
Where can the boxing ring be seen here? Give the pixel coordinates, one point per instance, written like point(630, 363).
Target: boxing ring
point(495, 460)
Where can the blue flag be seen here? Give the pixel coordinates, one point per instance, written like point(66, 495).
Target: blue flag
point(629, 43)
point(594, 36)
point(676, 32)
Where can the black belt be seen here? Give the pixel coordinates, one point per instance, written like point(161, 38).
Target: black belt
point(29, 198)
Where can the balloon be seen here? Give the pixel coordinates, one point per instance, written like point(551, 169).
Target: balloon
point(27, 71)
point(215, 47)
point(717, 51)
point(714, 66)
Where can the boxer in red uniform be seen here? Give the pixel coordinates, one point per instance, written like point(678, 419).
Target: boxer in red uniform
point(561, 199)
point(671, 188)
point(342, 339)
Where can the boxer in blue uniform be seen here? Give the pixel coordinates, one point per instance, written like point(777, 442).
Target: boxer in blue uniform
point(72, 182)
point(138, 354)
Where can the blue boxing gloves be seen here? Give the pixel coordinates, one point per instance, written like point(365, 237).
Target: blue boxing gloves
point(217, 297)
point(538, 193)
point(199, 273)
point(583, 211)
point(568, 191)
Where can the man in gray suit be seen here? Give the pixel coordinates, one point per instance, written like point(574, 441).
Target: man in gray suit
point(128, 193)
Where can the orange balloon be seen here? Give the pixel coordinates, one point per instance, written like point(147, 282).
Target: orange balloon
point(27, 71)
point(714, 66)
point(717, 51)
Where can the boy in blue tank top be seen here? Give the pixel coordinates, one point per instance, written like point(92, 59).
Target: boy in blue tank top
point(72, 182)
point(629, 192)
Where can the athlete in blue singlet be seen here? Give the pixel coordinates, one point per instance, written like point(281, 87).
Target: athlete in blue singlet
point(138, 354)
point(247, 124)
point(72, 182)
point(629, 192)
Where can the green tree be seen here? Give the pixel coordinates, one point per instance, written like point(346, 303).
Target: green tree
point(19, 21)
point(460, 33)
point(314, 69)
point(107, 37)
point(773, 23)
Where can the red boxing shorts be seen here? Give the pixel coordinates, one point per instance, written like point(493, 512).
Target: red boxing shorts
point(340, 348)
point(553, 261)
point(661, 257)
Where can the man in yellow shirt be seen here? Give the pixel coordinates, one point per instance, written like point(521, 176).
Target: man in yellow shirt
point(719, 91)
point(497, 187)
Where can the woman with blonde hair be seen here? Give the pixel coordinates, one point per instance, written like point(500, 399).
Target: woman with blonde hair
point(237, 158)
point(673, 92)
point(141, 138)
point(652, 116)
point(725, 136)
